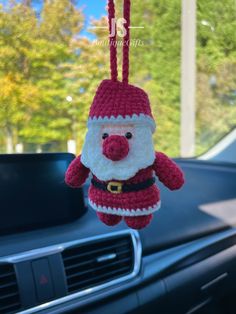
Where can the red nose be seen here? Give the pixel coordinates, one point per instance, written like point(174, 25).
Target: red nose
point(115, 147)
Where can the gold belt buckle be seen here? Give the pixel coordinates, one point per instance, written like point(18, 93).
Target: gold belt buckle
point(114, 187)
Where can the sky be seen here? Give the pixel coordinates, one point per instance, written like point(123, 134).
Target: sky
point(91, 8)
point(95, 8)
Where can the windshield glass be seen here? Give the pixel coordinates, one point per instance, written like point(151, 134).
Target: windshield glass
point(53, 55)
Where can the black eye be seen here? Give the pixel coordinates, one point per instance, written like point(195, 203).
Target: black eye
point(128, 135)
point(105, 135)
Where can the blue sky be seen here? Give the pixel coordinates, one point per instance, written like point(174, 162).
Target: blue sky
point(95, 8)
point(91, 8)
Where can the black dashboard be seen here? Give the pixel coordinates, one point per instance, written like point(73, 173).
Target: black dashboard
point(184, 262)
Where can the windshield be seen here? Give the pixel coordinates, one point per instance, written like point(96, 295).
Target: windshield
point(53, 55)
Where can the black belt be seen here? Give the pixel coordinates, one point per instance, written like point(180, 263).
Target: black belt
point(119, 187)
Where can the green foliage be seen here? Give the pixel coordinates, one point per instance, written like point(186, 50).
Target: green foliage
point(216, 60)
point(43, 60)
point(155, 66)
point(33, 83)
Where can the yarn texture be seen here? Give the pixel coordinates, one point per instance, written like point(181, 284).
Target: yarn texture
point(118, 100)
point(141, 151)
point(118, 150)
point(115, 147)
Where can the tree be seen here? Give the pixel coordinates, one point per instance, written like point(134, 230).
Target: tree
point(155, 65)
point(216, 56)
point(17, 27)
point(44, 59)
point(32, 53)
point(84, 75)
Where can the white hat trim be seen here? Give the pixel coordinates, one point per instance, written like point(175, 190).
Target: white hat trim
point(138, 119)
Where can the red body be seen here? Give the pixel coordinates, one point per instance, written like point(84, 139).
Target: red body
point(163, 167)
point(131, 200)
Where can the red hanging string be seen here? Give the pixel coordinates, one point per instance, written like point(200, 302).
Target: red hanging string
point(112, 40)
point(126, 42)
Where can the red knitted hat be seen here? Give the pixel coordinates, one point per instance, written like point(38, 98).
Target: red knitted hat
point(120, 102)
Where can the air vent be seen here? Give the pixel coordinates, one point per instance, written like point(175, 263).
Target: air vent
point(92, 264)
point(9, 294)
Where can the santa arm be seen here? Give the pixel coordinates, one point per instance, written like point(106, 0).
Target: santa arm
point(168, 172)
point(76, 173)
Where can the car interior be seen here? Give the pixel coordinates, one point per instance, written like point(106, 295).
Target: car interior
point(58, 259)
point(94, 97)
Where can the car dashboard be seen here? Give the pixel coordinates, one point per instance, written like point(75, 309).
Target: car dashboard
point(184, 262)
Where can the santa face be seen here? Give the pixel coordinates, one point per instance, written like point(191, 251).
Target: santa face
point(117, 152)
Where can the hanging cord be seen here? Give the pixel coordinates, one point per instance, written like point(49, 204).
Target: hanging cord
point(126, 42)
point(112, 40)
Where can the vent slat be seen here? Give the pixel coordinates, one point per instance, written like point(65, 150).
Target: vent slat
point(79, 264)
point(9, 293)
point(6, 285)
point(83, 270)
point(81, 255)
point(100, 277)
point(91, 258)
point(7, 275)
point(106, 266)
point(8, 308)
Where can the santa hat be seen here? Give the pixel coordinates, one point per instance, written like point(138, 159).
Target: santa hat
point(118, 102)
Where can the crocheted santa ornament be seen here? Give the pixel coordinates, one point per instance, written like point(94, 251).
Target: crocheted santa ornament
point(118, 149)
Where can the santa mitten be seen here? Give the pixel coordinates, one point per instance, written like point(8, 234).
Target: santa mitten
point(118, 149)
point(76, 174)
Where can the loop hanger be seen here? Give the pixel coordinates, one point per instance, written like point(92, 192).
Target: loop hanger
point(112, 40)
point(126, 42)
point(113, 43)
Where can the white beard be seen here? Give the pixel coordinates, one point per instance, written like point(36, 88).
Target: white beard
point(141, 155)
